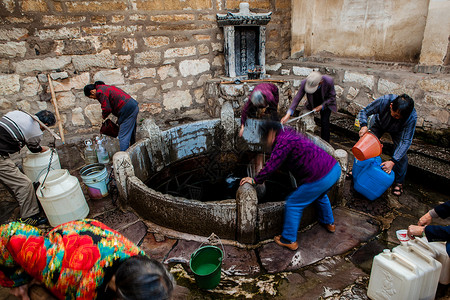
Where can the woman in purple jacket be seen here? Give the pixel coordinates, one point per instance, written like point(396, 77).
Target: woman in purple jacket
point(314, 169)
point(263, 97)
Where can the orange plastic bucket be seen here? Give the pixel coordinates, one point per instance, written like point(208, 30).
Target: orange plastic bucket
point(367, 147)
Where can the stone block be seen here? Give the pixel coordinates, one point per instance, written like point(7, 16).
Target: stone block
point(239, 262)
point(435, 85)
point(103, 59)
point(65, 33)
point(437, 100)
point(148, 57)
point(110, 77)
point(6, 104)
point(152, 108)
point(180, 52)
point(177, 99)
point(66, 100)
point(34, 6)
point(94, 113)
point(137, 17)
point(30, 86)
point(20, 20)
point(9, 84)
point(95, 6)
point(156, 41)
point(78, 117)
point(9, 5)
point(12, 34)
point(135, 232)
point(55, 20)
point(167, 71)
point(157, 249)
point(363, 79)
point(77, 47)
point(117, 19)
point(111, 29)
point(172, 18)
point(352, 93)
point(173, 5)
point(142, 73)
point(388, 87)
point(57, 75)
point(194, 67)
point(167, 86)
point(76, 82)
point(203, 49)
point(202, 37)
point(13, 49)
point(274, 67)
point(301, 71)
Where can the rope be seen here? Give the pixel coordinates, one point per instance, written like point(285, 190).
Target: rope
point(48, 168)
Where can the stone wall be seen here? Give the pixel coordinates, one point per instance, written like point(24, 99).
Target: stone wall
point(355, 88)
point(160, 52)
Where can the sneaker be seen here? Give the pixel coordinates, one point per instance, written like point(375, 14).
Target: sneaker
point(291, 246)
point(35, 220)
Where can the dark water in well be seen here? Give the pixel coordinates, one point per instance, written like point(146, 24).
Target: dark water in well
point(216, 176)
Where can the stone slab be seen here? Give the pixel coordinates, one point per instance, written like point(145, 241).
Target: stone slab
point(240, 262)
point(157, 250)
point(328, 278)
point(117, 219)
point(135, 232)
point(363, 257)
point(99, 206)
point(181, 253)
point(315, 244)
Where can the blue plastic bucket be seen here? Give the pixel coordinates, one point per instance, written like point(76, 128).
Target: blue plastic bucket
point(95, 177)
point(372, 181)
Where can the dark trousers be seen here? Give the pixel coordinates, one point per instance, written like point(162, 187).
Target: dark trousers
point(325, 124)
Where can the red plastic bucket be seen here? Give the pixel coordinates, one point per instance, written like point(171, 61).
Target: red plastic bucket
point(367, 147)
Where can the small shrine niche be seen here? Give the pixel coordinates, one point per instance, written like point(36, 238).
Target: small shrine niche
point(245, 42)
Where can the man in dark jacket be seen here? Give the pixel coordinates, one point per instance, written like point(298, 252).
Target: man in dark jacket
point(434, 233)
point(321, 96)
point(18, 129)
point(397, 116)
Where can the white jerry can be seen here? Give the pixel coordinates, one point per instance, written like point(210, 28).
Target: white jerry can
point(430, 267)
point(442, 257)
point(393, 277)
point(36, 164)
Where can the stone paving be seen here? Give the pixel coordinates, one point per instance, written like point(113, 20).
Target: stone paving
point(326, 266)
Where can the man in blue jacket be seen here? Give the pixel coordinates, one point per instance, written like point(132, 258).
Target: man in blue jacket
point(396, 115)
point(434, 233)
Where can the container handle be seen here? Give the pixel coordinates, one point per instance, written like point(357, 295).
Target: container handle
point(420, 253)
point(212, 238)
point(425, 245)
point(404, 262)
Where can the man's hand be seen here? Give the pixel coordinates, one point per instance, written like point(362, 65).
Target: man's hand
point(318, 108)
point(44, 148)
point(285, 118)
point(247, 180)
point(363, 131)
point(425, 220)
point(241, 132)
point(387, 166)
point(414, 230)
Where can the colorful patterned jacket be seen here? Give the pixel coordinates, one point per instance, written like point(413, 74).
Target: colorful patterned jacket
point(75, 260)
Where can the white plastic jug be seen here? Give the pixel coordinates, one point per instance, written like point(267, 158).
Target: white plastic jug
point(393, 277)
point(423, 245)
point(442, 257)
point(61, 197)
point(431, 269)
point(36, 164)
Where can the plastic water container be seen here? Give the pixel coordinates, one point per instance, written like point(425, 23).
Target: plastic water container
point(442, 257)
point(90, 156)
point(393, 277)
point(423, 244)
point(372, 181)
point(61, 197)
point(359, 165)
point(430, 267)
point(36, 164)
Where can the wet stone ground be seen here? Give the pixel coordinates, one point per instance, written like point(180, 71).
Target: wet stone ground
point(326, 266)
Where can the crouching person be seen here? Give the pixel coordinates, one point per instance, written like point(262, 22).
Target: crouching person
point(314, 169)
point(82, 259)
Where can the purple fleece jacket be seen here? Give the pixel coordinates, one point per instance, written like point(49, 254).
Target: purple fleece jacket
point(270, 92)
point(306, 161)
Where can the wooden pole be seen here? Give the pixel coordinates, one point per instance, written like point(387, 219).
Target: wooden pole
point(252, 80)
point(55, 104)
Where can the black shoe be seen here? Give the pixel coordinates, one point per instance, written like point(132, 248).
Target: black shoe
point(35, 220)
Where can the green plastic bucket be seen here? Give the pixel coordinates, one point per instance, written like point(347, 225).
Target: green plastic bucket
point(206, 263)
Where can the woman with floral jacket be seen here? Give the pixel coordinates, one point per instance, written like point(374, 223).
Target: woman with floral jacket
point(82, 259)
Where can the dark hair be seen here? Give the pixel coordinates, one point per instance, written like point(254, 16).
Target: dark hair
point(403, 104)
point(46, 117)
point(88, 88)
point(142, 278)
point(266, 126)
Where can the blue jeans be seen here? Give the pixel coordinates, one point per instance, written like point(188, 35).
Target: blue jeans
point(306, 194)
point(127, 130)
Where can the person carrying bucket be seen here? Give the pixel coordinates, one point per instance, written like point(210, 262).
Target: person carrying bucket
point(83, 259)
point(314, 170)
point(396, 115)
point(18, 129)
point(120, 104)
